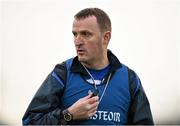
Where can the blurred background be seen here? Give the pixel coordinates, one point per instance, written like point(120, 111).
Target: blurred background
point(35, 35)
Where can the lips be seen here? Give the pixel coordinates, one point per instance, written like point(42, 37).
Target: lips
point(80, 51)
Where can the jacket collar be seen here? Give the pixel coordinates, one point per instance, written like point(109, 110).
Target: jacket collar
point(77, 67)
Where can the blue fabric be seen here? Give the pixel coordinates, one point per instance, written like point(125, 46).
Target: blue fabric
point(117, 94)
point(57, 78)
point(99, 74)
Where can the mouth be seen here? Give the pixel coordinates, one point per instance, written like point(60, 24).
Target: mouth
point(80, 51)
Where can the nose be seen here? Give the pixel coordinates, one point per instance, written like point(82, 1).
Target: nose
point(77, 40)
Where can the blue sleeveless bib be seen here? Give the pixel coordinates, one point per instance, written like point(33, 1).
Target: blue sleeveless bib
point(113, 108)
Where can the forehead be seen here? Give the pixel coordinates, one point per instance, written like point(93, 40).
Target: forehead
point(89, 23)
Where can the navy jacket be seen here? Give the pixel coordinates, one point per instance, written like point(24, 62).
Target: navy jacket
point(47, 105)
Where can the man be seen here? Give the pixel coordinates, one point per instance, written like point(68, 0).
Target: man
point(92, 88)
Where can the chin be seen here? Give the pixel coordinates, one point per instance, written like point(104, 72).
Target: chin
point(82, 59)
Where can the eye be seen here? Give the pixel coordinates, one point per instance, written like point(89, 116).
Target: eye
point(75, 34)
point(86, 33)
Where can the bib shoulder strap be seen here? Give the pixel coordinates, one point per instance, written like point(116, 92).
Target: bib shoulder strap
point(61, 71)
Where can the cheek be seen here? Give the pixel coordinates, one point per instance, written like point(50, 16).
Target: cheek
point(91, 48)
point(95, 49)
point(99, 46)
point(94, 46)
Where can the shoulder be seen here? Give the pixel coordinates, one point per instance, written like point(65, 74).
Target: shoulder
point(131, 73)
point(63, 65)
point(134, 82)
point(60, 71)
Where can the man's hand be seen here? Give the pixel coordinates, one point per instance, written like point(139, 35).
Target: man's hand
point(84, 107)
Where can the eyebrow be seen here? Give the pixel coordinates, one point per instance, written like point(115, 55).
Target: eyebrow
point(82, 31)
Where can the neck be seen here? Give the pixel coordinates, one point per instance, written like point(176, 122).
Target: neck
point(97, 64)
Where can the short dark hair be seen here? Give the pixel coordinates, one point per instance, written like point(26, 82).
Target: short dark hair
point(102, 18)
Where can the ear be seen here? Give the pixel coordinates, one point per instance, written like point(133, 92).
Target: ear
point(107, 37)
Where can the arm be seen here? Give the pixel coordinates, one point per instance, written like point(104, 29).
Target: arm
point(45, 109)
point(139, 111)
point(45, 105)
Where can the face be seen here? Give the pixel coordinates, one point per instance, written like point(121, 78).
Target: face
point(88, 40)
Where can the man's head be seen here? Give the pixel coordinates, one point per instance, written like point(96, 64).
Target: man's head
point(102, 18)
point(92, 32)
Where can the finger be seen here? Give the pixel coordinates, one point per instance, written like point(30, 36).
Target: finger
point(87, 97)
point(93, 99)
point(92, 112)
point(93, 109)
point(92, 106)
